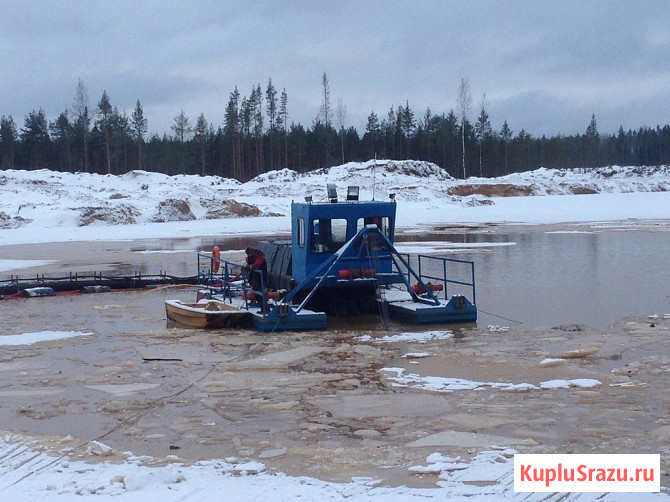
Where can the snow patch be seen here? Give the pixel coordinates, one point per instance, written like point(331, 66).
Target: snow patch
point(39, 336)
point(418, 337)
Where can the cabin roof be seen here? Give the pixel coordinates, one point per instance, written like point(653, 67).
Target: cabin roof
point(344, 208)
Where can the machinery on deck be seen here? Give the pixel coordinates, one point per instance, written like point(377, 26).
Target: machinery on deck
point(341, 261)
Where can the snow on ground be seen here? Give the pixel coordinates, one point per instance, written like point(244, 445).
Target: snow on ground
point(442, 384)
point(12, 264)
point(418, 337)
point(45, 206)
point(37, 337)
point(429, 247)
point(27, 474)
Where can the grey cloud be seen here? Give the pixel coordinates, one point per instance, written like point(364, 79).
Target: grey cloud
point(543, 67)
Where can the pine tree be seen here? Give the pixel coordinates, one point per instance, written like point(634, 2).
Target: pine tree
point(407, 125)
point(524, 141)
point(591, 142)
point(426, 130)
point(201, 132)
point(341, 115)
point(246, 123)
point(139, 128)
point(256, 103)
point(449, 134)
point(104, 121)
point(271, 109)
point(326, 112)
point(322, 131)
point(8, 138)
point(232, 131)
point(372, 134)
point(388, 129)
point(182, 129)
point(62, 135)
point(36, 140)
point(506, 136)
point(121, 138)
point(82, 120)
point(283, 118)
point(622, 147)
point(483, 130)
point(592, 128)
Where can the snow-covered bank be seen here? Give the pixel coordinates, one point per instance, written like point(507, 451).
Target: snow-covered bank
point(30, 475)
point(47, 206)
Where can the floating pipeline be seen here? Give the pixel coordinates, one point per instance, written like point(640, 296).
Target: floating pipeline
point(17, 287)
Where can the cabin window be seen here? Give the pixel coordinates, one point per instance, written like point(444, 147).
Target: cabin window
point(382, 222)
point(301, 232)
point(328, 235)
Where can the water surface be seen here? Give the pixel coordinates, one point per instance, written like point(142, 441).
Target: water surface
point(528, 277)
point(554, 278)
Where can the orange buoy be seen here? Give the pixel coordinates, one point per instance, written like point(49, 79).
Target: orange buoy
point(347, 273)
point(367, 273)
point(419, 289)
point(216, 256)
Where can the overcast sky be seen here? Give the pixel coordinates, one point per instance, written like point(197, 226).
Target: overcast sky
point(544, 66)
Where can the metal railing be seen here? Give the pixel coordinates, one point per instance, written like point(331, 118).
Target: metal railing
point(436, 268)
point(425, 261)
point(225, 283)
point(228, 281)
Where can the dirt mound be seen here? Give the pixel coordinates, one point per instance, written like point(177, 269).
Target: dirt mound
point(173, 210)
point(122, 214)
point(579, 189)
point(512, 190)
point(229, 208)
point(493, 190)
point(418, 169)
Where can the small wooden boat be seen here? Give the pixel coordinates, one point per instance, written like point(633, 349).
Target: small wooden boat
point(209, 314)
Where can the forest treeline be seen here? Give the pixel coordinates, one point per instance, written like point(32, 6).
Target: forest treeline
point(256, 135)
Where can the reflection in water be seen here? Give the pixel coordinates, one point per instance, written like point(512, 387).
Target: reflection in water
point(549, 279)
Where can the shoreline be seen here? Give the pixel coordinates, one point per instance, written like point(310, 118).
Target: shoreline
point(631, 208)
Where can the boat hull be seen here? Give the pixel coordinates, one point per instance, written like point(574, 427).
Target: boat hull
point(212, 314)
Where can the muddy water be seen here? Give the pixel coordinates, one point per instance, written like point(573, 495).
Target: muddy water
point(530, 276)
point(553, 275)
point(549, 278)
point(321, 404)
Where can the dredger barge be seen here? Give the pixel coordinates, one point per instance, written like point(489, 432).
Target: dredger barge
point(340, 261)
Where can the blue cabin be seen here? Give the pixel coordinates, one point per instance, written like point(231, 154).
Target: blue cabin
point(321, 229)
